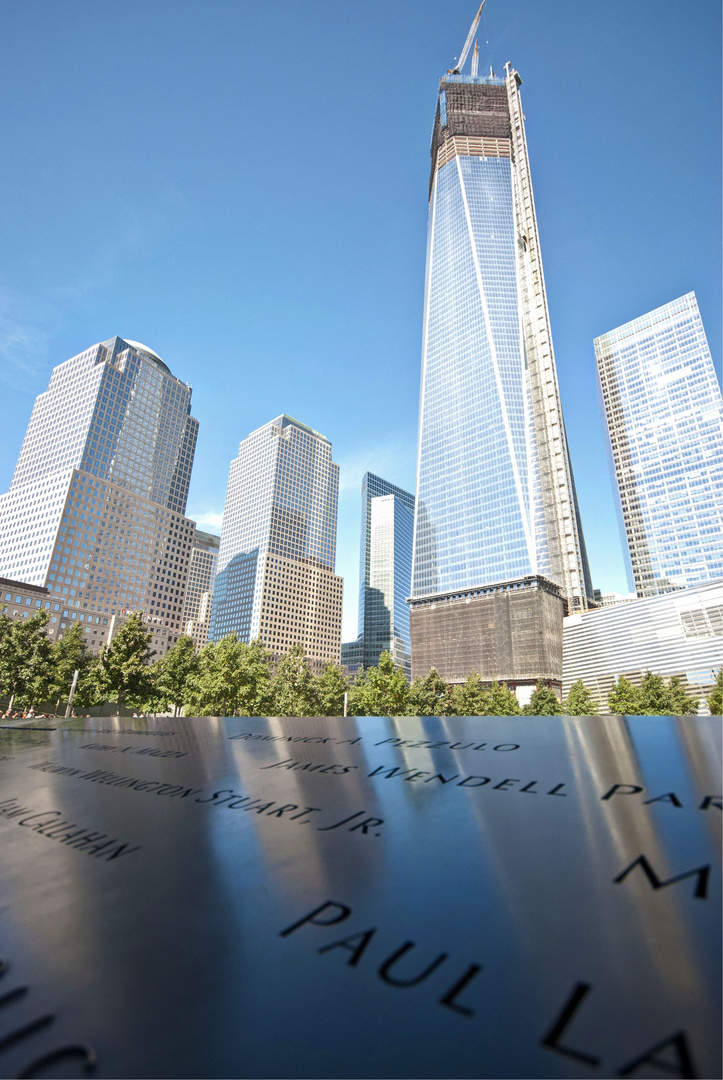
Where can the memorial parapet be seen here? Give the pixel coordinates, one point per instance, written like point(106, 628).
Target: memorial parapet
point(361, 897)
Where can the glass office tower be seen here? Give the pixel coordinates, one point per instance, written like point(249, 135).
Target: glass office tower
point(276, 577)
point(496, 500)
point(385, 570)
point(96, 506)
point(663, 412)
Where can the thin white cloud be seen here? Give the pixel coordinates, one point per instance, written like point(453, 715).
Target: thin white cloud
point(208, 520)
point(24, 342)
point(394, 460)
point(29, 323)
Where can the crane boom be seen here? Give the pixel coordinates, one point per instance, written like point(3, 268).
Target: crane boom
point(470, 38)
point(475, 60)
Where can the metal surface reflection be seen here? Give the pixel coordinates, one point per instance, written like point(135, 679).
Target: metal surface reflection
point(371, 897)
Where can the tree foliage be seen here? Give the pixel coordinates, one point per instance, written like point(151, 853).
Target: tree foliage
point(232, 679)
point(293, 687)
point(579, 701)
point(331, 685)
point(380, 690)
point(651, 698)
point(70, 654)
point(171, 674)
point(26, 669)
point(543, 702)
point(430, 696)
point(123, 673)
point(715, 698)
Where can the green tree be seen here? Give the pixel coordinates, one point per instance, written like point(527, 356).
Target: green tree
point(70, 654)
point(232, 679)
point(380, 691)
point(579, 701)
point(654, 695)
point(26, 659)
point(293, 687)
point(715, 698)
point(501, 701)
point(625, 699)
point(429, 696)
point(123, 672)
point(679, 702)
point(87, 691)
point(330, 687)
point(543, 702)
point(172, 673)
point(472, 697)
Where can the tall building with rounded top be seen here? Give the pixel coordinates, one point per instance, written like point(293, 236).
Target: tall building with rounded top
point(96, 507)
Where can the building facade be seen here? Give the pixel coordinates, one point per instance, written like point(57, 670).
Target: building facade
point(663, 413)
point(18, 600)
point(352, 655)
point(96, 508)
point(199, 588)
point(496, 497)
point(385, 571)
point(678, 633)
point(276, 579)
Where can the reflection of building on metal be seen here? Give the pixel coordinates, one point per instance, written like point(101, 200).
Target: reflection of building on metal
point(385, 570)
point(495, 494)
point(663, 412)
point(275, 578)
point(678, 633)
point(509, 633)
point(96, 507)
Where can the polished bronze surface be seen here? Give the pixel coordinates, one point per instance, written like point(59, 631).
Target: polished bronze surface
point(369, 897)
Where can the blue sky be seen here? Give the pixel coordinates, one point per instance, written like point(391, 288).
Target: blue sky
point(243, 187)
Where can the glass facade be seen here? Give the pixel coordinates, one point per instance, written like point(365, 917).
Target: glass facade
point(663, 411)
point(476, 467)
point(96, 506)
point(495, 493)
point(385, 566)
point(387, 622)
point(275, 577)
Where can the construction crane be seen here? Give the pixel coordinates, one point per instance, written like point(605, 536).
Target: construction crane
point(475, 60)
point(468, 43)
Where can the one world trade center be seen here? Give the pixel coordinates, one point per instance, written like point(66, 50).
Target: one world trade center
point(498, 546)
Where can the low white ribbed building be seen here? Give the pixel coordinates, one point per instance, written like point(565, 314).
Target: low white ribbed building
point(679, 633)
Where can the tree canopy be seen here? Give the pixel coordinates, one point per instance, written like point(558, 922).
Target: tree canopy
point(232, 678)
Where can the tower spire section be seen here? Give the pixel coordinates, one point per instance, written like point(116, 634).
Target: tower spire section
point(568, 560)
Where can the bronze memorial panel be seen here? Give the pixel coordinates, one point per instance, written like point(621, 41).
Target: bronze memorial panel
point(369, 897)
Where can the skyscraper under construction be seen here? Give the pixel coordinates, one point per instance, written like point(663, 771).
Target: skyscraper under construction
point(498, 546)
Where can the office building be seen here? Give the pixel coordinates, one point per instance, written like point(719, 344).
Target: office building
point(276, 579)
point(199, 588)
point(663, 412)
point(496, 505)
point(95, 510)
point(385, 570)
point(612, 598)
point(18, 600)
point(678, 633)
point(352, 655)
